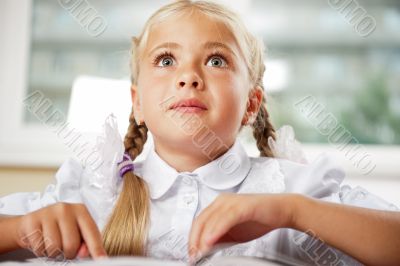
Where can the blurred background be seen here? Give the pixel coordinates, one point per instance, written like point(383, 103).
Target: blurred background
point(341, 56)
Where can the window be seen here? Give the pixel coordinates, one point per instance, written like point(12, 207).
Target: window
point(318, 54)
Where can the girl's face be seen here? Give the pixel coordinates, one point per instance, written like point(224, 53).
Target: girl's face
point(194, 59)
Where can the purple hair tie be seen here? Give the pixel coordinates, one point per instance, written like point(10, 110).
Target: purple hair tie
point(125, 165)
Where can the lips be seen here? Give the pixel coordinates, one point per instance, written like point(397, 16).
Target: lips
point(191, 105)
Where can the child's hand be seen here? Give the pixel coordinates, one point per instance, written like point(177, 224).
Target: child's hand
point(60, 229)
point(239, 218)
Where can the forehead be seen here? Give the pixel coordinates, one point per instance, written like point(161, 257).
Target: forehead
point(191, 29)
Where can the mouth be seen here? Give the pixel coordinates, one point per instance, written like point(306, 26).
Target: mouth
point(191, 105)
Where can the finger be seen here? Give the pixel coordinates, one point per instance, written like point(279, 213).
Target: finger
point(36, 243)
point(52, 238)
point(91, 234)
point(197, 228)
point(70, 236)
point(28, 233)
point(222, 220)
point(219, 224)
point(206, 237)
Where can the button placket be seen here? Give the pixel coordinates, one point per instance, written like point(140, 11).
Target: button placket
point(186, 203)
point(188, 198)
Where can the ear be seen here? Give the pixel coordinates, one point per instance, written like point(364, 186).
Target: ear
point(137, 111)
point(253, 105)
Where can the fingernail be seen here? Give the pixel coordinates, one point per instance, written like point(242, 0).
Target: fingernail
point(209, 239)
point(192, 261)
point(196, 255)
point(192, 251)
point(192, 258)
point(102, 255)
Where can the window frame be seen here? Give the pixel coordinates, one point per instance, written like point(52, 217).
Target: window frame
point(16, 145)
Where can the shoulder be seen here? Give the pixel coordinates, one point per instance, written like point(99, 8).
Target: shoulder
point(319, 178)
point(264, 177)
point(324, 179)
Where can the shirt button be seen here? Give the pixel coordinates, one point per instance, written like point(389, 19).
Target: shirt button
point(188, 199)
point(187, 180)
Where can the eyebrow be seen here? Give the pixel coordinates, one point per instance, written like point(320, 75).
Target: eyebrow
point(170, 45)
point(207, 45)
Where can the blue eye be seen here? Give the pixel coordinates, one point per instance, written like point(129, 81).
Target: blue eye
point(167, 61)
point(216, 61)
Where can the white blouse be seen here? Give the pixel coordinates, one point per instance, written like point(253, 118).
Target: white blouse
point(176, 198)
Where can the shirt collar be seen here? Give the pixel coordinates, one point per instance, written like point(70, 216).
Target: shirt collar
point(227, 171)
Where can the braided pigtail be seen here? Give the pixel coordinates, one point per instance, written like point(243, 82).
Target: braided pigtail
point(126, 230)
point(262, 130)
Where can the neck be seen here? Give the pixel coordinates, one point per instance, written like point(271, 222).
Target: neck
point(184, 158)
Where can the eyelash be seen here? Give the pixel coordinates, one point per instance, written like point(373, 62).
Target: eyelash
point(161, 56)
point(158, 58)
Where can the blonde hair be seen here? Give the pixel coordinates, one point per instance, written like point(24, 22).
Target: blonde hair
point(126, 230)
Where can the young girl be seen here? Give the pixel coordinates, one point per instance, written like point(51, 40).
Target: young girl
point(196, 82)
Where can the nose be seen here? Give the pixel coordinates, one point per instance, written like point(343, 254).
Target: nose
point(189, 79)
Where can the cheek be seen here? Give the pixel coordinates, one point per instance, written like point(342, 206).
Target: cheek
point(153, 95)
point(152, 106)
point(230, 96)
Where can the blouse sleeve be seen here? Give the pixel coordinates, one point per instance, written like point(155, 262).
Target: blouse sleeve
point(97, 186)
point(321, 179)
point(64, 189)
